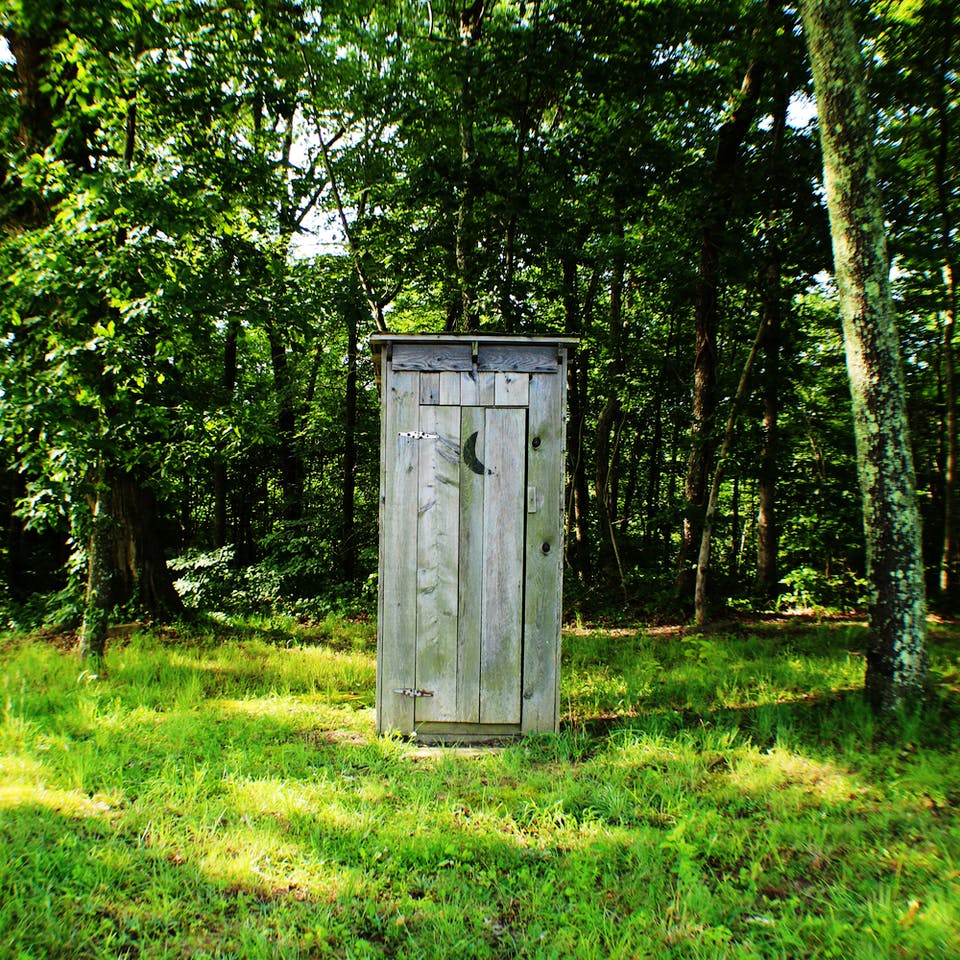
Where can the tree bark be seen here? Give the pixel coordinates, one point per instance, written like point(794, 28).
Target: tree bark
point(701, 599)
point(608, 421)
point(729, 142)
point(655, 468)
point(471, 26)
point(220, 477)
point(633, 481)
point(896, 673)
point(768, 533)
point(96, 608)
point(578, 546)
point(653, 522)
point(950, 555)
point(348, 505)
point(140, 573)
point(291, 464)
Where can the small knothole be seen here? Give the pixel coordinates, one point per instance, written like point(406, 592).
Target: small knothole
point(546, 548)
point(536, 443)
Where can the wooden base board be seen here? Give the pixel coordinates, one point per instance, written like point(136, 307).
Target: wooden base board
point(451, 733)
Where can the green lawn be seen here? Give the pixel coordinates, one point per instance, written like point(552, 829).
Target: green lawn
point(721, 795)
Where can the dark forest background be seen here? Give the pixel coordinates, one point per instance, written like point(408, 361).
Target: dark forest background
point(208, 206)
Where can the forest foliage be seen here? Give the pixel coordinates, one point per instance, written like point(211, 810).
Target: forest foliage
point(207, 206)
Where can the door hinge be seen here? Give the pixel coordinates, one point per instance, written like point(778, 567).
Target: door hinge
point(409, 692)
point(419, 435)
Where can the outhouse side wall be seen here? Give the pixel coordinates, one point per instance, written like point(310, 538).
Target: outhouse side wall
point(397, 614)
point(543, 580)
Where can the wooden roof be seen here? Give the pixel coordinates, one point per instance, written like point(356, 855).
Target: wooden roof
point(378, 340)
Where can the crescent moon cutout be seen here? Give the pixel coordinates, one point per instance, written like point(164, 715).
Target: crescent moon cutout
point(470, 455)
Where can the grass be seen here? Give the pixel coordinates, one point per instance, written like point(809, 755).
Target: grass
point(222, 794)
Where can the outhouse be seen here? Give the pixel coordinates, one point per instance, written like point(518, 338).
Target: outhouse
point(471, 534)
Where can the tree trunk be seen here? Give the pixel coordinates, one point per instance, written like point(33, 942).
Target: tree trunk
point(291, 465)
point(139, 566)
point(220, 478)
point(729, 142)
point(509, 313)
point(655, 467)
point(578, 546)
point(633, 481)
point(246, 502)
point(768, 534)
point(471, 25)
point(348, 507)
point(950, 555)
point(896, 657)
point(701, 599)
point(99, 595)
point(608, 422)
point(653, 523)
point(735, 528)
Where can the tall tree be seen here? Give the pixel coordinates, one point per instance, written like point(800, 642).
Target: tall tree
point(896, 659)
point(772, 296)
point(77, 271)
point(706, 316)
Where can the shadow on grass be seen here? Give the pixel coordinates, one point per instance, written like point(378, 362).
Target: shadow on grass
point(226, 803)
point(781, 678)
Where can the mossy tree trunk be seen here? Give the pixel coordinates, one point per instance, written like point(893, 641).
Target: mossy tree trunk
point(896, 662)
point(98, 600)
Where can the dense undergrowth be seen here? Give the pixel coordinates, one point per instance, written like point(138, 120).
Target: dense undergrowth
point(220, 792)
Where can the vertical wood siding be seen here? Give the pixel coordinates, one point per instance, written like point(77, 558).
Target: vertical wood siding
point(471, 542)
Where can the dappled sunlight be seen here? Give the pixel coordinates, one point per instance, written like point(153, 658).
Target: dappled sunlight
point(297, 711)
point(284, 798)
point(18, 766)
point(68, 802)
point(791, 774)
point(240, 812)
point(256, 859)
point(640, 673)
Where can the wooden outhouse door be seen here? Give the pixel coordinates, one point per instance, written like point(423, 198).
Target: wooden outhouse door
point(471, 469)
point(471, 534)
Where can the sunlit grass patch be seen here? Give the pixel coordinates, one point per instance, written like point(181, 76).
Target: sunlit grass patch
point(22, 793)
point(725, 797)
point(783, 776)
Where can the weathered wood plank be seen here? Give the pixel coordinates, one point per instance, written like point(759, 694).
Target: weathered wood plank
point(544, 555)
point(472, 443)
point(486, 389)
point(436, 597)
point(512, 389)
point(380, 358)
point(502, 619)
point(466, 732)
point(429, 389)
point(469, 389)
point(518, 358)
point(433, 356)
point(450, 388)
point(397, 629)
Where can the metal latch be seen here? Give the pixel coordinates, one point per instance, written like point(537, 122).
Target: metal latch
point(409, 692)
point(415, 435)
